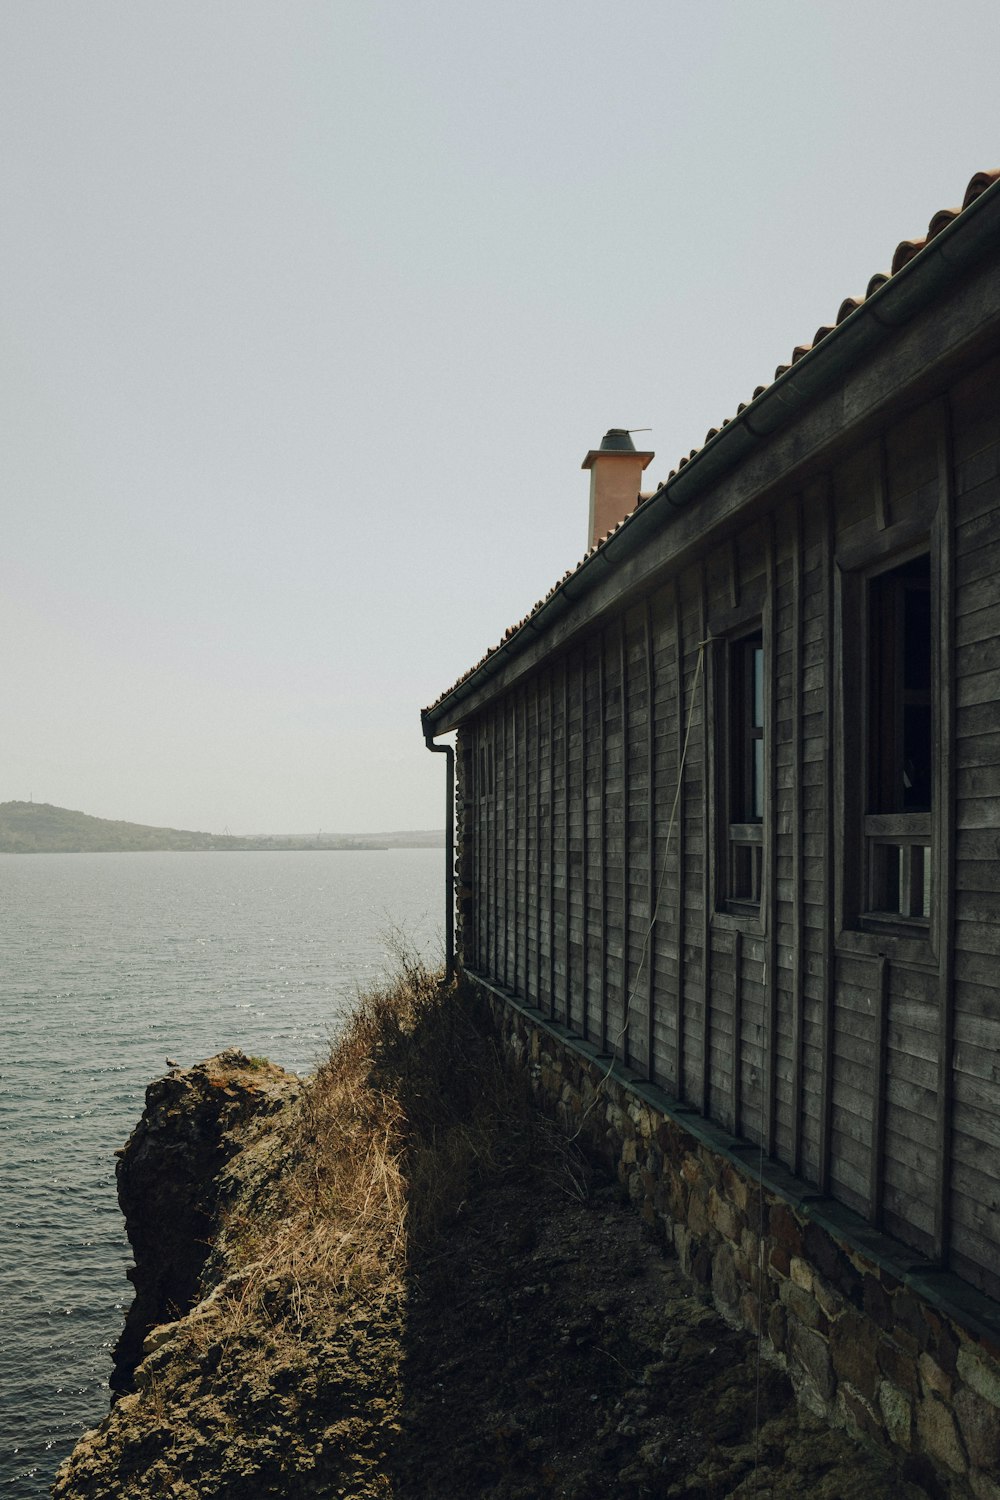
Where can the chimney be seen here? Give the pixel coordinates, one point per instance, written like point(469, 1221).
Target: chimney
point(615, 472)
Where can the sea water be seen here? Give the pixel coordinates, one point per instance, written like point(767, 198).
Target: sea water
point(111, 964)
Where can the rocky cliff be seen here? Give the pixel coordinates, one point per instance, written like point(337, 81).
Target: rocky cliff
point(396, 1281)
point(239, 1372)
point(171, 1188)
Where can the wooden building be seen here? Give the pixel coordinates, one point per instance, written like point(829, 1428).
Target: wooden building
point(729, 796)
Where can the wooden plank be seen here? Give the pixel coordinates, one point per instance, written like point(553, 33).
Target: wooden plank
point(881, 486)
point(653, 885)
point(477, 851)
point(975, 626)
point(881, 1020)
point(706, 771)
point(769, 895)
point(736, 1069)
point(975, 937)
point(977, 1002)
point(983, 560)
point(489, 873)
point(485, 813)
point(944, 854)
point(975, 1262)
point(798, 878)
point(680, 837)
point(977, 845)
point(978, 750)
point(829, 833)
point(626, 793)
point(585, 738)
point(602, 693)
point(510, 844)
point(977, 1132)
point(981, 593)
point(537, 996)
point(498, 784)
point(567, 861)
point(516, 757)
point(552, 845)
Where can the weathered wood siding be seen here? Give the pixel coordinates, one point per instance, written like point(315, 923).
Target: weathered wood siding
point(972, 1009)
point(866, 1061)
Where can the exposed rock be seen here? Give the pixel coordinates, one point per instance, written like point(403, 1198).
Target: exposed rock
point(532, 1340)
point(169, 1186)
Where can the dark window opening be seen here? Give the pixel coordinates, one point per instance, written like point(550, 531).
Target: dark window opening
point(745, 799)
point(900, 770)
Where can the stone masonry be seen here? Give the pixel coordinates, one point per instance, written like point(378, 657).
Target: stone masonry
point(900, 1354)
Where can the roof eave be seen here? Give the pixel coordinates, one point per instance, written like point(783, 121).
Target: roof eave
point(946, 257)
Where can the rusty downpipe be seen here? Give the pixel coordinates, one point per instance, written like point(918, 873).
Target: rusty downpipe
point(449, 850)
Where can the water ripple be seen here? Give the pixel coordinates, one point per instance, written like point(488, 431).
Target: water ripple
point(113, 962)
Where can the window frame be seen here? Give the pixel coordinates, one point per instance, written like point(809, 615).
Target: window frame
point(871, 834)
point(741, 821)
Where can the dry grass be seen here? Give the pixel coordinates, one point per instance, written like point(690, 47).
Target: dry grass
point(288, 1375)
point(413, 1103)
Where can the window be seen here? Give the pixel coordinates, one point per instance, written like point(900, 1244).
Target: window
point(900, 759)
point(744, 798)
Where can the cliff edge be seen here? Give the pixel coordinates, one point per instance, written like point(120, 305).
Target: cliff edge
point(395, 1280)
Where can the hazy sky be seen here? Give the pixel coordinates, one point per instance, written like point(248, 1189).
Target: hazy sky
point(310, 313)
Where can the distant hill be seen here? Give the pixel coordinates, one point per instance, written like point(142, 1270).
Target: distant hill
point(40, 828)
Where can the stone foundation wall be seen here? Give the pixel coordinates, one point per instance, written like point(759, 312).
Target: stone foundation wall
point(894, 1351)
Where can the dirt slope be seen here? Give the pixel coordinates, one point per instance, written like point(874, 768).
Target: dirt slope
point(416, 1290)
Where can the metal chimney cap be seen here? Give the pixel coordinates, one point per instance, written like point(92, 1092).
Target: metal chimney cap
point(617, 440)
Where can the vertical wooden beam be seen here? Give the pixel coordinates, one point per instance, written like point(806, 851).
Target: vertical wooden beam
point(584, 956)
point(494, 950)
point(526, 889)
point(603, 771)
point(733, 559)
point(552, 843)
point(515, 752)
point(505, 849)
point(736, 1080)
point(798, 868)
point(651, 924)
point(567, 1009)
point(679, 845)
point(943, 878)
point(706, 873)
point(626, 808)
point(499, 792)
point(537, 997)
point(769, 895)
point(829, 871)
point(881, 1028)
point(882, 487)
point(477, 845)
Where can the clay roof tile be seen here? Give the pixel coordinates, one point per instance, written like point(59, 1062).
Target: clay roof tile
point(906, 250)
point(941, 220)
point(978, 184)
point(849, 305)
